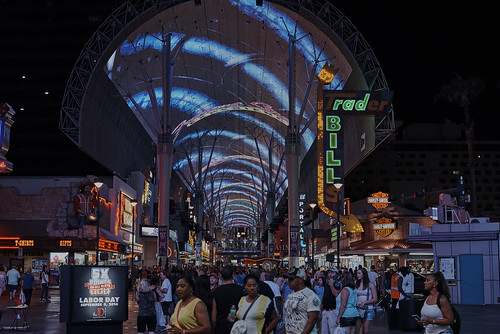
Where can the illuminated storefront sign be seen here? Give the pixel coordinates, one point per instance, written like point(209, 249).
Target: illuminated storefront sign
point(111, 246)
point(358, 102)
point(302, 203)
point(147, 194)
point(330, 158)
point(384, 226)
point(65, 243)
point(332, 105)
point(125, 212)
point(379, 200)
point(25, 243)
point(15, 242)
point(5, 166)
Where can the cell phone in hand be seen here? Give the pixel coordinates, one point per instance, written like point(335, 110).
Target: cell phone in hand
point(416, 317)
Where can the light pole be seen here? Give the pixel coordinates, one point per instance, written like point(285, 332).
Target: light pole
point(98, 185)
point(312, 206)
point(338, 186)
point(134, 204)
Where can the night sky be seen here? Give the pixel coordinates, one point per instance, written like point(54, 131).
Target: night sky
point(420, 46)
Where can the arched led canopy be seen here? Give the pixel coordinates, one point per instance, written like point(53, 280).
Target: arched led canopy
point(229, 74)
point(229, 78)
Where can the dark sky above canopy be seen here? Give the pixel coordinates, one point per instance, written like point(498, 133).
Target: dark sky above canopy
point(422, 45)
point(419, 45)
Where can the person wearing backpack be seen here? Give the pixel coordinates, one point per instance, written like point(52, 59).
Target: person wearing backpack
point(437, 314)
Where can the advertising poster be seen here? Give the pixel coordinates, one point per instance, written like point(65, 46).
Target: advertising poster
point(162, 241)
point(125, 216)
point(294, 241)
point(447, 267)
point(96, 294)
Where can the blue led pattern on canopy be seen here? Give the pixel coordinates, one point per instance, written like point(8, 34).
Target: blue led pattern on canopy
point(221, 70)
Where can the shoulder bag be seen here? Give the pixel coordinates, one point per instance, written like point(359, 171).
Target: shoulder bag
point(240, 326)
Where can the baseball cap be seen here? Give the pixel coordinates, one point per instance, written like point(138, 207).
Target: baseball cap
point(295, 272)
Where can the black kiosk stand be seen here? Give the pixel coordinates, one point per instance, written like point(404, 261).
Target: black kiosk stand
point(94, 299)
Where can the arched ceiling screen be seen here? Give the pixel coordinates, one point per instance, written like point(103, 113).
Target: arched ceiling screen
point(230, 85)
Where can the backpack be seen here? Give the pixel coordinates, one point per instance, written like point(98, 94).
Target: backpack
point(455, 326)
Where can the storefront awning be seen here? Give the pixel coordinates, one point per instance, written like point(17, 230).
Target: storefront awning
point(388, 246)
point(111, 243)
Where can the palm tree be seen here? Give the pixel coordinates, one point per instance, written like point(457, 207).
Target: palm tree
point(461, 92)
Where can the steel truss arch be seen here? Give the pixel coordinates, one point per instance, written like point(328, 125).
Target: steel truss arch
point(103, 39)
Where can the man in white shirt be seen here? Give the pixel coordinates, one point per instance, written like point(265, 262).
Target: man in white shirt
point(277, 293)
point(408, 282)
point(372, 275)
point(166, 302)
point(302, 306)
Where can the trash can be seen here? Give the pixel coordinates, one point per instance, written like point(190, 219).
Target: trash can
point(407, 308)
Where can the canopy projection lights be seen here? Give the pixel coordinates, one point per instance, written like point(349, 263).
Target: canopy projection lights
point(229, 82)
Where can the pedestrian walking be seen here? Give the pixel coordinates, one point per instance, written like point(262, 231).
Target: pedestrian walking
point(346, 303)
point(328, 303)
point(3, 279)
point(44, 279)
point(190, 314)
point(146, 316)
point(302, 305)
point(256, 310)
point(437, 318)
point(367, 297)
point(396, 290)
point(166, 302)
point(225, 296)
point(27, 286)
point(13, 277)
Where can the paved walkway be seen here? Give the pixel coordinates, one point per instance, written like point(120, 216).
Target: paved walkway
point(44, 317)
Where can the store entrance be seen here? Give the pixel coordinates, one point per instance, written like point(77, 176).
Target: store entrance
point(18, 264)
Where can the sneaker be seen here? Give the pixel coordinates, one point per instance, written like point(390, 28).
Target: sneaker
point(163, 328)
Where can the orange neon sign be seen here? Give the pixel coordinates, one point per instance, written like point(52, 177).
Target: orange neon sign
point(379, 200)
point(65, 243)
point(108, 245)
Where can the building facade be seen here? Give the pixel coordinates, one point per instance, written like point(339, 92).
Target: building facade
point(429, 158)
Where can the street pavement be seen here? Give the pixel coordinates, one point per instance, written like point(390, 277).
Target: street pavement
point(44, 317)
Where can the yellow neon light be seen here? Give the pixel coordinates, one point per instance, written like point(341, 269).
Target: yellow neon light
point(325, 76)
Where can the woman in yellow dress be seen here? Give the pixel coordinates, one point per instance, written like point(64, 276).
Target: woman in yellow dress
point(190, 314)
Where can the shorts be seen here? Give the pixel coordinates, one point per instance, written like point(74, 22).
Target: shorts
point(12, 287)
point(348, 322)
point(165, 306)
point(146, 321)
point(370, 314)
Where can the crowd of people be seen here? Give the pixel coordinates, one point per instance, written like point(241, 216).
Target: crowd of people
point(231, 300)
point(13, 280)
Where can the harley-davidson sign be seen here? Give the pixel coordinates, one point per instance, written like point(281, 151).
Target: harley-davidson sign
point(379, 200)
point(384, 226)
